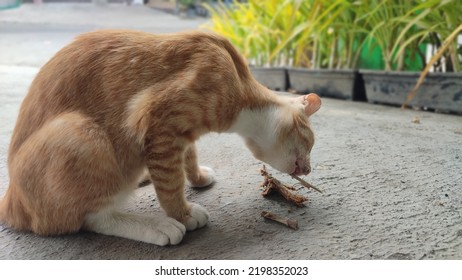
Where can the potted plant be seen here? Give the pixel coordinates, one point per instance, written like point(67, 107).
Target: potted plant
point(255, 28)
point(331, 63)
point(401, 29)
point(276, 35)
point(446, 87)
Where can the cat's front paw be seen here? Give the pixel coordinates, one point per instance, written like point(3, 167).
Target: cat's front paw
point(206, 177)
point(198, 217)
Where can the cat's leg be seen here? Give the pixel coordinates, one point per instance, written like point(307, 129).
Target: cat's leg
point(160, 230)
point(63, 171)
point(198, 176)
point(165, 162)
point(156, 230)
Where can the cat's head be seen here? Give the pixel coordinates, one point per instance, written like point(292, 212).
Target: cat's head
point(285, 138)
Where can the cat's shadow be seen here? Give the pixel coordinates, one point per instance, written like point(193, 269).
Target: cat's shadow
point(148, 183)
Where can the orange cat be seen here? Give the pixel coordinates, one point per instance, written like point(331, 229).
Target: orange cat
point(114, 103)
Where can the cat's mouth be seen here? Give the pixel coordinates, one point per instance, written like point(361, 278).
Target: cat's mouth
point(298, 172)
point(301, 169)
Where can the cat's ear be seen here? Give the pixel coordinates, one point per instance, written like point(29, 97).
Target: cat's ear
point(311, 103)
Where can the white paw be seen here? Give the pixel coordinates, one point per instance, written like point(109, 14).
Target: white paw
point(208, 176)
point(166, 231)
point(159, 230)
point(198, 217)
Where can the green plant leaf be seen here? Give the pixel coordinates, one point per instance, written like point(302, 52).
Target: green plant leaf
point(446, 44)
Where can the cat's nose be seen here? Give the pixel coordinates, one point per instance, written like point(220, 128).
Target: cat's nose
point(307, 170)
point(302, 168)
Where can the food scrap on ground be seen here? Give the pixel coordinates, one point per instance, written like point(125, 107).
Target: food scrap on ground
point(416, 120)
point(271, 184)
point(291, 223)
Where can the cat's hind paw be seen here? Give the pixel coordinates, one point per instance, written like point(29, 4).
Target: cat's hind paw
point(167, 232)
point(206, 177)
point(155, 230)
point(198, 217)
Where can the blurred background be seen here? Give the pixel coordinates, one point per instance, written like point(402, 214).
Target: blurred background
point(392, 52)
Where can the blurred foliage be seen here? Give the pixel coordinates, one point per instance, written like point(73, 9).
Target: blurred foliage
point(336, 34)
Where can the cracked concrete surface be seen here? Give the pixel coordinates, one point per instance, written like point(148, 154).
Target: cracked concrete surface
point(392, 187)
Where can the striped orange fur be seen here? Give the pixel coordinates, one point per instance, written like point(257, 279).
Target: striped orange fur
point(112, 104)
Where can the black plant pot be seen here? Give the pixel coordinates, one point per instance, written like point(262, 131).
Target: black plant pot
point(441, 92)
point(272, 78)
point(342, 84)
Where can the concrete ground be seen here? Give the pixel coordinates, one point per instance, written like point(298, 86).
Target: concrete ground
point(392, 179)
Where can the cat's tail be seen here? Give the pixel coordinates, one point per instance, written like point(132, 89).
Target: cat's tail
point(2, 210)
point(12, 212)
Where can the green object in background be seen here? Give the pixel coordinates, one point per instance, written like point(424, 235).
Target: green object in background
point(371, 58)
point(9, 4)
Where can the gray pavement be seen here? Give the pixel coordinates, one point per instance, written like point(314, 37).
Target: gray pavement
point(392, 187)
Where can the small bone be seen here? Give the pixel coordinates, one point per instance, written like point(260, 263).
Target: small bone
point(291, 223)
point(304, 183)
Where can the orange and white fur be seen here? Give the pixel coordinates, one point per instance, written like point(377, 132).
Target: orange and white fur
point(113, 104)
